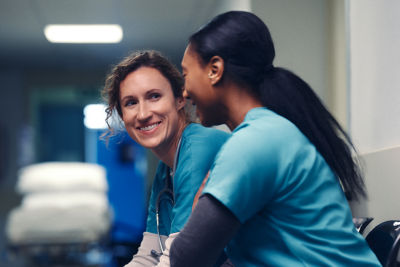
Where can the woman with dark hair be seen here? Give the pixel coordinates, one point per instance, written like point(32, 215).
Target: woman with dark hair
point(145, 90)
point(276, 193)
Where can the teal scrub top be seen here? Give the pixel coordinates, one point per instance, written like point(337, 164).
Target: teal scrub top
point(197, 151)
point(290, 204)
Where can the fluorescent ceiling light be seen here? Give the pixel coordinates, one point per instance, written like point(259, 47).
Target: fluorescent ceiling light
point(85, 33)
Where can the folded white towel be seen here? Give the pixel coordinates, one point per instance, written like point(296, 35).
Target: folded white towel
point(57, 225)
point(62, 176)
point(95, 200)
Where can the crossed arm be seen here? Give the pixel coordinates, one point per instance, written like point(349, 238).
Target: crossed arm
point(209, 229)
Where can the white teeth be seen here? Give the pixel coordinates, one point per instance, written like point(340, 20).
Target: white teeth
point(150, 127)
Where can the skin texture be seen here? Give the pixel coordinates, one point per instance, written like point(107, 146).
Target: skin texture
point(150, 112)
point(218, 100)
point(199, 82)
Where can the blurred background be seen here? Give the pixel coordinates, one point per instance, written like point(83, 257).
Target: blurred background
point(347, 50)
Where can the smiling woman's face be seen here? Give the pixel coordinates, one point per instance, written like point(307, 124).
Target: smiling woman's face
point(150, 111)
point(199, 89)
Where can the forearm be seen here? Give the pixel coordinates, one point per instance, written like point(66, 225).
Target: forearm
point(208, 230)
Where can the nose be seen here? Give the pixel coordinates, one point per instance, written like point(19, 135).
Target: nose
point(144, 112)
point(185, 94)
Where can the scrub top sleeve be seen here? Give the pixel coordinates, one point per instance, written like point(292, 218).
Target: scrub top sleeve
point(243, 175)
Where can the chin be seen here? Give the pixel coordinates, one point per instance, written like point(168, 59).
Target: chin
point(209, 122)
point(148, 143)
point(211, 117)
point(151, 146)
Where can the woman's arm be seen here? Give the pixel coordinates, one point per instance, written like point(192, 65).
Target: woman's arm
point(209, 229)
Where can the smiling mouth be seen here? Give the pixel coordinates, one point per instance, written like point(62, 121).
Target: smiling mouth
point(191, 101)
point(149, 127)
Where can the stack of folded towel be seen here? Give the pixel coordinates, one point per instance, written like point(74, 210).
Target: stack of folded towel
point(63, 202)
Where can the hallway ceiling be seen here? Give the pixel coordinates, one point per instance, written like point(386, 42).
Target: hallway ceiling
point(147, 24)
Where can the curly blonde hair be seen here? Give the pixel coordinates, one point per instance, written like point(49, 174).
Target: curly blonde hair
point(136, 60)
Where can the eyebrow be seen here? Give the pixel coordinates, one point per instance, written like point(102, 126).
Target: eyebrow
point(153, 90)
point(150, 91)
point(126, 97)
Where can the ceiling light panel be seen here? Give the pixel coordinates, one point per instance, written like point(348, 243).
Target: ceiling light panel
point(83, 33)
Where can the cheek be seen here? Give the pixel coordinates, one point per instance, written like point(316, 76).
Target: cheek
point(125, 123)
point(189, 82)
point(126, 117)
point(172, 112)
point(192, 89)
point(133, 136)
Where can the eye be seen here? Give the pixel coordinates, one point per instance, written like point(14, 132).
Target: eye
point(130, 102)
point(155, 96)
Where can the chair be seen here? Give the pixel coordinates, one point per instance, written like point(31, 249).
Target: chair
point(361, 223)
point(384, 240)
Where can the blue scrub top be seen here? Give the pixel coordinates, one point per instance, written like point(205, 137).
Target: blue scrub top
point(291, 206)
point(198, 148)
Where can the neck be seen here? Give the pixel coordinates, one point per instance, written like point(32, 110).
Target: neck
point(167, 153)
point(238, 102)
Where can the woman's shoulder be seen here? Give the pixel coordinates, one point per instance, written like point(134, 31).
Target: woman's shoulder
point(264, 134)
point(197, 132)
point(201, 143)
point(264, 125)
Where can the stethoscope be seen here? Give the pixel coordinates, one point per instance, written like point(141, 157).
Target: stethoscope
point(167, 191)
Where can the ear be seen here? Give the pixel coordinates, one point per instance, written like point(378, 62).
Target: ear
point(180, 102)
point(216, 69)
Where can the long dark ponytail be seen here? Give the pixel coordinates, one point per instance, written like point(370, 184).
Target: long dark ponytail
point(291, 97)
point(245, 44)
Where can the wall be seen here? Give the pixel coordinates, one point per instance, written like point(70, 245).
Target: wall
point(382, 181)
point(310, 39)
point(225, 5)
point(337, 94)
point(298, 29)
point(375, 79)
point(11, 110)
point(375, 101)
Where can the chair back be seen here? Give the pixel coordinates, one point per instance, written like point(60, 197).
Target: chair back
point(384, 240)
point(361, 223)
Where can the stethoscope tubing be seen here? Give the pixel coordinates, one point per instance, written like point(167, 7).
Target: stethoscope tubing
point(168, 189)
